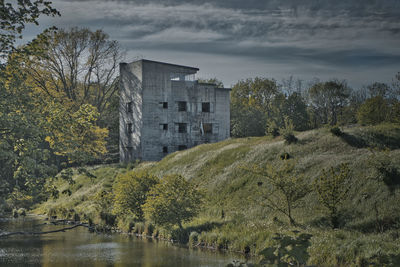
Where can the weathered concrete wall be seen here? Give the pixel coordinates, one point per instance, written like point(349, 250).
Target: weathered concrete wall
point(148, 85)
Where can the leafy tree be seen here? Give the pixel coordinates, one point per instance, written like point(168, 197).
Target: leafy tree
point(74, 134)
point(173, 201)
point(327, 101)
point(15, 15)
point(250, 106)
point(285, 186)
point(131, 191)
point(332, 188)
point(373, 111)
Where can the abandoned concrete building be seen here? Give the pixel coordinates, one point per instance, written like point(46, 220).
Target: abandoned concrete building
point(164, 109)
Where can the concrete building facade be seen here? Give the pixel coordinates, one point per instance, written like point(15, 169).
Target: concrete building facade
point(164, 109)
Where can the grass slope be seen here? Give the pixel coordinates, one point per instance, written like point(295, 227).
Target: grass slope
point(235, 216)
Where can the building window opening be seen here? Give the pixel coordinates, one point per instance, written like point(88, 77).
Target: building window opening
point(182, 127)
point(130, 128)
point(182, 147)
point(164, 105)
point(205, 107)
point(129, 106)
point(181, 106)
point(165, 149)
point(165, 127)
point(207, 128)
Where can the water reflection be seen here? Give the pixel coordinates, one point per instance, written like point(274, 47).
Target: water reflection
point(78, 247)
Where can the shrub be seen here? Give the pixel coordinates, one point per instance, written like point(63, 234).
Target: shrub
point(193, 239)
point(336, 131)
point(130, 192)
point(173, 201)
point(148, 229)
point(290, 138)
point(139, 228)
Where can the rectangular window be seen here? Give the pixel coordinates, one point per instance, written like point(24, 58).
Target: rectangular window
point(207, 127)
point(205, 107)
point(182, 147)
point(182, 128)
point(129, 106)
point(129, 127)
point(165, 149)
point(164, 105)
point(181, 105)
point(165, 126)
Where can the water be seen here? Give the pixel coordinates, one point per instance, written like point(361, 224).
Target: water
point(78, 247)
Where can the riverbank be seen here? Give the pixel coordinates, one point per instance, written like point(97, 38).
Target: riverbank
point(236, 216)
point(79, 247)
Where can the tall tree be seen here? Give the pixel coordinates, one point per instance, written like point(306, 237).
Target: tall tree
point(250, 106)
point(327, 101)
point(76, 64)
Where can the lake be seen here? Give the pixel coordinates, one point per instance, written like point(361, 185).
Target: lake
point(79, 247)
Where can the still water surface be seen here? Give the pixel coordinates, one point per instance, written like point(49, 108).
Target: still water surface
point(78, 247)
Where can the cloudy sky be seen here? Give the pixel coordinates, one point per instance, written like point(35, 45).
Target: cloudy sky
point(356, 40)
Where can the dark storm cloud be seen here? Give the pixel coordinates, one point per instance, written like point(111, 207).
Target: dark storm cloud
point(336, 34)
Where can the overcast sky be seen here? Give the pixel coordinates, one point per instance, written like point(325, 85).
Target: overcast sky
point(356, 40)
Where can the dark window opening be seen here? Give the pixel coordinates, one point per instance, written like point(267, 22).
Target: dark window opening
point(130, 128)
point(205, 107)
point(165, 149)
point(182, 127)
point(164, 105)
point(181, 106)
point(182, 147)
point(207, 127)
point(129, 106)
point(165, 127)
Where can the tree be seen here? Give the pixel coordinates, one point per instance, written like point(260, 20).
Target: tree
point(173, 201)
point(285, 186)
point(327, 101)
point(131, 191)
point(15, 15)
point(76, 64)
point(332, 187)
point(373, 111)
point(250, 106)
point(74, 134)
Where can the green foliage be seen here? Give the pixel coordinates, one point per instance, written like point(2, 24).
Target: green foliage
point(74, 135)
point(373, 111)
point(173, 201)
point(327, 101)
point(286, 250)
point(286, 186)
point(332, 188)
point(250, 106)
point(15, 15)
point(131, 190)
point(336, 131)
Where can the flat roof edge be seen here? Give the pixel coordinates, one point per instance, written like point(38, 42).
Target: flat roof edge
point(165, 63)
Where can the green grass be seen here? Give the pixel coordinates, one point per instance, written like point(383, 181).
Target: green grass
point(235, 217)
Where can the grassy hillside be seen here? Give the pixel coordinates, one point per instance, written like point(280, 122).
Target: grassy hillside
point(235, 216)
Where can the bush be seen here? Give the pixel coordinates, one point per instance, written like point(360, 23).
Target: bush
point(290, 138)
point(148, 229)
point(193, 239)
point(336, 131)
point(130, 192)
point(139, 228)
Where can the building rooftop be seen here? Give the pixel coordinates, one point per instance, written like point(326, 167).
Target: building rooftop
point(169, 64)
